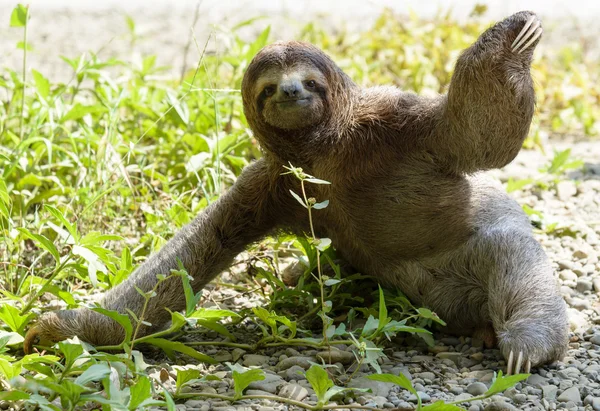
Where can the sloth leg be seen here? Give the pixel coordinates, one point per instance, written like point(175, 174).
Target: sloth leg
point(498, 287)
point(525, 308)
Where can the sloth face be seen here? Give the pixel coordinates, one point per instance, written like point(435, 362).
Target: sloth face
point(291, 98)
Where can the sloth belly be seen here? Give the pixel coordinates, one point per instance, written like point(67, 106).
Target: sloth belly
point(396, 219)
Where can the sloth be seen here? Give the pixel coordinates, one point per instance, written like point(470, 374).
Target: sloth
point(407, 202)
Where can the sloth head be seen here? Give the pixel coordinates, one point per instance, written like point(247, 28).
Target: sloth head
point(293, 89)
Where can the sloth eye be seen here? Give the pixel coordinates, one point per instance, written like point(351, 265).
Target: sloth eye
point(269, 91)
point(311, 84)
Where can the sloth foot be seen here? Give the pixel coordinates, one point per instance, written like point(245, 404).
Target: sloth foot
point(528, 35)
point(514, 365)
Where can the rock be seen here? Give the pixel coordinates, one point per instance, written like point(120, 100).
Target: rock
point(536, 380)
point(303, 362)
point(295, 372)
point(580, 254)
point(568, 275)
point(255, 360)
point(576, 319)
point(237, 353)
point(271, 383)
point(565, 190)
point(584, 284)
point(549, 392)
point(457, 389)
point(596, 284)
point(293, 392)
point(580, 304)
point(595, 339)
point(499, 406)
point(377, 387)
point(464, 397)
point(452, 356)
point(596, 404)
point(570, 394)
point(195, 403)
point(426, 375)
point(476, 388)
point(424, 397)
point(334, 355)
point(422, 358)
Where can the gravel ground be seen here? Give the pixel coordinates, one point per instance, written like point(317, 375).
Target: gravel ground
point(456, 368)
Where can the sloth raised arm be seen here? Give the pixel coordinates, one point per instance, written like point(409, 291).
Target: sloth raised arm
point(490, 103)
point(206, 246)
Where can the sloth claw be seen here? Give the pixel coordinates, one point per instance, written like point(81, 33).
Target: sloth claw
point(514, 367)
point(530, 32)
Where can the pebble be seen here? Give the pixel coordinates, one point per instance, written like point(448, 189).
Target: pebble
point(452, 356)
point(293, 391)
point(570, 394)
point(584, 284)
point(255, 360)
point(476, 388)
point(271, 383)
point(424, 397)
point(334, 355)
point(595, 339)
point(295, 372)
point(378, 388)
point(303, 362)
point(549, 392)
point(499, 406)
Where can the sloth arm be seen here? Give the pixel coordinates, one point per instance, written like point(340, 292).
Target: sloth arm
point(206, 246)
point(482, 121)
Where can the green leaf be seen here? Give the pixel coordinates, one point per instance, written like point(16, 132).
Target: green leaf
point(427, 313)
point(514, 185)
point(11, 317)
point(185, 376)
point(191, 299)
point(122, 319)
point(502, 383)
point(399, 380)
point(14, 395)
point(95, 372)
point(441, 406)
point(79, 111)
point(94, 264)
point(41, 84)
point(42, 242)
point(321, 205)
point(241, 380)
point(323, 244)
point(297, 197)
point(18, 17)
point(319, 381)
point(170, 346)
point(71, 228)
point(71, 351)
point(383, 313)
point(370, 327)
point(212, 314)
point(9, 370)
point(64, 295)
point(316, 181)
point(139, 392)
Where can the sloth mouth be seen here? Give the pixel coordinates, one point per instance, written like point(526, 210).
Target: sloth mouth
point(294, 102)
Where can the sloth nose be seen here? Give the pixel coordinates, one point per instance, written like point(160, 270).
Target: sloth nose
point(291, 88)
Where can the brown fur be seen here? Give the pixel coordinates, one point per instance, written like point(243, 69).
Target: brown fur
point(405, 205)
